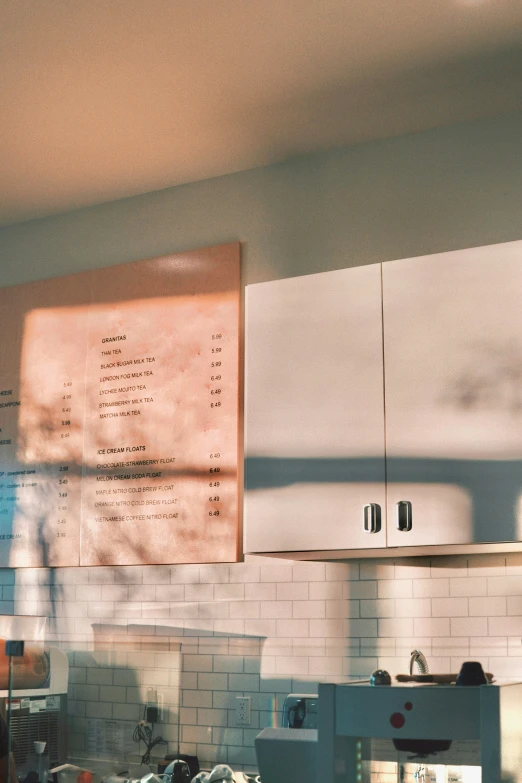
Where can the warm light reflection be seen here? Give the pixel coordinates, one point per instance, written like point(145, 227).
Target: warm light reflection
point(122, 443)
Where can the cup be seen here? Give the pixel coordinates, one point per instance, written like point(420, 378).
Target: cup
point(39, 747)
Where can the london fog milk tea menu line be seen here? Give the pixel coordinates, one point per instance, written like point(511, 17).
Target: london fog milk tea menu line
point(127, 379)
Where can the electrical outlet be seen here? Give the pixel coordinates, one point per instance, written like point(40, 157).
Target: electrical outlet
point(243, 717)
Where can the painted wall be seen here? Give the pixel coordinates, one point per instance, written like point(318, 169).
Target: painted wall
point(264, 628)
point(441, 190)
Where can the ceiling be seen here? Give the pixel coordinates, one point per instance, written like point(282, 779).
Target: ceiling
point(103, 99)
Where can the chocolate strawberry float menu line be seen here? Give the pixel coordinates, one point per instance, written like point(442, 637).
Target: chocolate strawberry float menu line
point(126, 376)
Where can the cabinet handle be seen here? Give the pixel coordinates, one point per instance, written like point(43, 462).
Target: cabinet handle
point(372, 518)
point(404, 516)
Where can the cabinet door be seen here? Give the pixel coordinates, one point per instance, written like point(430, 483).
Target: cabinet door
point(314, 412)
point(453, 390)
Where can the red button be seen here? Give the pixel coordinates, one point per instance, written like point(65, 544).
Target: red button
point(408, 706)
point(397, 720)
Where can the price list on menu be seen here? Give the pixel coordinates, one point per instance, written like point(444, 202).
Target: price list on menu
point(119, 414)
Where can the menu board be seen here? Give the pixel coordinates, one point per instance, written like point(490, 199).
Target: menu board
point(119, 414)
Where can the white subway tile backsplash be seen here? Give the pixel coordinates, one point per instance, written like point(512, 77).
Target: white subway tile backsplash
point(503, 626)
point(175, 592)
point(213, 610)
point(294, 591)
point(228, 663)
point(196, 733)
point(181, 610)
point(198, 663)
point(229, 592)
point(342, 571)
point(97, 676)
point(231, 626)
point(395, 588)
point(343, 608)
point(276, 610)
point(375, 569)
point(245, 610)
point(212, 717)
point(213, 682)
point(243, 682)
point(214, 574)
point(292, 628)
point(412, 568)
point(383, 607)
point(491, 606)
point(504, 585)
point(395, 627)
point(326, 665)
point(245, 572)
point(469, 626)
point(98, 710)
point(260, 628)
point(309, 572)
point(468, 586)
point(197, 592)
point(449, 607)
point(308, 609)
point(487, 565)
point(260, 592)
point(265, 628)
point(276, 573)
point(292, 664)
point(100, 576)
point(413, 607)
point(431, 588)
point(363, 589)
point(320, 591)
point(326, 629)
point(355, 627)
point(431, 626)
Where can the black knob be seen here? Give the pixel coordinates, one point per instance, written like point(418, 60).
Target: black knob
point(471, 673)
point(380, 677)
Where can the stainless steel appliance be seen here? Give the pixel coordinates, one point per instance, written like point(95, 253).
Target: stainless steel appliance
point(39, 713)
point(401, 733)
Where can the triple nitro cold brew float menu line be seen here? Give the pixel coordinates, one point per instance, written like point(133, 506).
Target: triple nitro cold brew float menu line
point(135, 437)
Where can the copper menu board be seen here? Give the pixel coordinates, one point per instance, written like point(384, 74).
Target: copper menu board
point(119, 414)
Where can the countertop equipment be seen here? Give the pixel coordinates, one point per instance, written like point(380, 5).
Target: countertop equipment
point(466, 734)
point(38, 706)
point(401, 732)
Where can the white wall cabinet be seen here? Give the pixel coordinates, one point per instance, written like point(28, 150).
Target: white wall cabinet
point(314, 412)
point(453, 389)
point(452, 372)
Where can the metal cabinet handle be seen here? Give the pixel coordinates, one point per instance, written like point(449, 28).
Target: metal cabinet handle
point(404, 516)
point(372, 518)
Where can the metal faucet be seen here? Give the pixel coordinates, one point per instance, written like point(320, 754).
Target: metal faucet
point(422, 664)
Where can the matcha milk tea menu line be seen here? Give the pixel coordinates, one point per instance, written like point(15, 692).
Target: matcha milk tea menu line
point(134, 435)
